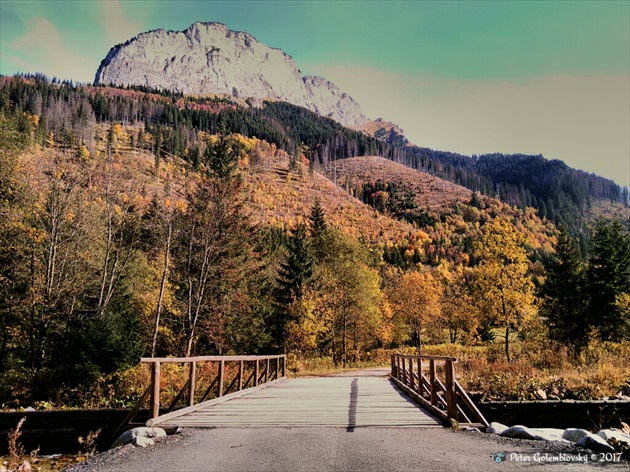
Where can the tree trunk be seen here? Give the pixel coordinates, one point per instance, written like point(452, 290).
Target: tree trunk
point(507, 341)
point(418, 330)
point(158, 310)
point(343, 340)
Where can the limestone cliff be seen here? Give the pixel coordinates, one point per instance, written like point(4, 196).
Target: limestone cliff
point(208, 58)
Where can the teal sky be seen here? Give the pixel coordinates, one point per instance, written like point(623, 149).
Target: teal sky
point(532, 76)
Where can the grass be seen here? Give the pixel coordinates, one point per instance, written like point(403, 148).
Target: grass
point(600, 371)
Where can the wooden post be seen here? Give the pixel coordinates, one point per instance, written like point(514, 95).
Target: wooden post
point(240, 376)
point(451, 396)
point(155, 393)
point(420, 384)
point(391, 358)
point(191, 391)
point(411, 382)
point(267, 371)
point(277, 367)
point(256, 373)
point(405, 380)
point(432, 382)
point(221, 370)
point(398, 368)
point(284, 365)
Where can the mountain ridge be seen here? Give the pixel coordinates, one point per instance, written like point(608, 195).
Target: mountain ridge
point(207, 57)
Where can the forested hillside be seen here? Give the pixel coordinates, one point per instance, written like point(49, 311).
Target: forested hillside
point(139, 223)
point(559, 192)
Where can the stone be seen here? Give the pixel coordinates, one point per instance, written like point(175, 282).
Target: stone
point(469, 428)
point(24, 467)
point(141, 441)
point(496, 428)
point(132, 436)
point(208, 58)
point(618, 435)
point(595, 443)
point(625, 428)
point(523, 432)
point(540, 394)
point(574, 434)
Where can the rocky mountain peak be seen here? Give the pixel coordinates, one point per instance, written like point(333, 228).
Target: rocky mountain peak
point(209, 58)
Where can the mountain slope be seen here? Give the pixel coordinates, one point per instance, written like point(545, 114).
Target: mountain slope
point(431, 193)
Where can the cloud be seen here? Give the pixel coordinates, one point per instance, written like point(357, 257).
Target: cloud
point(118, 27)
point(41, 49)
point(580, 119)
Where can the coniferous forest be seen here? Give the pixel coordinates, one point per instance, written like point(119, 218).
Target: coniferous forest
point(130, 225)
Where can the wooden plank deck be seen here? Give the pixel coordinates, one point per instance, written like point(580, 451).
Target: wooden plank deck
point(350, 401)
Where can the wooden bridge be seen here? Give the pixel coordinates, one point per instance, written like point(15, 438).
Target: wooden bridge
point(259, 394)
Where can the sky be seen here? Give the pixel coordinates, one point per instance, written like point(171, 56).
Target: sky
point(535, 77)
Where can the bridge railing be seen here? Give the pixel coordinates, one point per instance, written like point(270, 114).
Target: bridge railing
point(252, 372)
point(431, 381)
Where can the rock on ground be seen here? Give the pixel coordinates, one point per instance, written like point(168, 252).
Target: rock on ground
point(141, 437)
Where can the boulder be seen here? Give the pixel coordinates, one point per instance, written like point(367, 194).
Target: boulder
point(540, 394)
point(574, 434)
point(138, 436)
point(496, 428)
point(595, 443)
point(523, 432)
point(141, 441)
point(615, 434)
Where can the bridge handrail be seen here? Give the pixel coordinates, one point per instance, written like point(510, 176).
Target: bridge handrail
point(415, 356)
point(262, 373)
point(148, 360)
point(443, 398)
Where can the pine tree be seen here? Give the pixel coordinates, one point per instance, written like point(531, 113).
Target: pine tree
point(319, 231)
point(608, 277)
point(564, 302)
point(294, 272)
point(222, 155)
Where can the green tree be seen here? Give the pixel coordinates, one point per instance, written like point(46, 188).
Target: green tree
point(564, 302)
point(294, 273)
point(608, 277)
point(318, 230)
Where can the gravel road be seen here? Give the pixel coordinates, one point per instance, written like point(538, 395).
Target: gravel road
point(336, 449)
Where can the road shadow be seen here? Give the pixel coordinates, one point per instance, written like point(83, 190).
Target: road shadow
point(352, 407)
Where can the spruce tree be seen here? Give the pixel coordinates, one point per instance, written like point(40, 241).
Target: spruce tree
point(608, 278)
point(293, 274)
point(564, 303)
point(319, 231)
